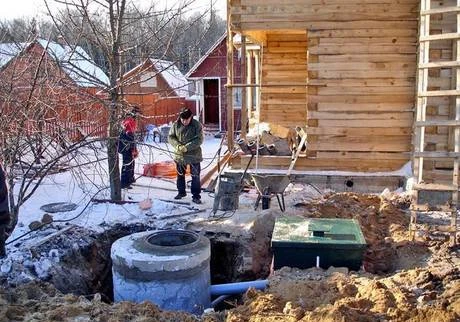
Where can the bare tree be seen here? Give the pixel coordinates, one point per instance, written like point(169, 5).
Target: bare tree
point(44, 113)
point(43, 120)
point(126, 35)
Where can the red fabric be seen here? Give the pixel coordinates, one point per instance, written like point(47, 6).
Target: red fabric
point(129, 124)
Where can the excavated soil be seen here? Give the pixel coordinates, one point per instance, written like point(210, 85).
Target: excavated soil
point(402, 280)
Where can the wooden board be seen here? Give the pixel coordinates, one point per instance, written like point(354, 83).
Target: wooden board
point(360, 116)
point(363, 130)
point(310, 164)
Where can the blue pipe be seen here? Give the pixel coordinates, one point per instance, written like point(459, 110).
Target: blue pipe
point(237, 288)
point(218, 300)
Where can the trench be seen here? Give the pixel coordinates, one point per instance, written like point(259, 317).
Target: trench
point(87, 271)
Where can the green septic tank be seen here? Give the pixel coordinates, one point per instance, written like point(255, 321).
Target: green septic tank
point(303, 242)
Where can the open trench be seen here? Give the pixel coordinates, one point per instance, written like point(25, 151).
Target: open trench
point(81, 262)
point(410, 278)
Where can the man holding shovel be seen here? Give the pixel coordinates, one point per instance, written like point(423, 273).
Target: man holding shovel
point(186, 137)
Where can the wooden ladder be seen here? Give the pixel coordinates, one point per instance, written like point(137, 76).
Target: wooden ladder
point(435, 196)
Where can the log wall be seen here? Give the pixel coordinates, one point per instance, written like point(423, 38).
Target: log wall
point(284, 76)
point(360, 92)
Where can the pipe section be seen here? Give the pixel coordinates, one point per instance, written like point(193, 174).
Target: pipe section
point(237, 288)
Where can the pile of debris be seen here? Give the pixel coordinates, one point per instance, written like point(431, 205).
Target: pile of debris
point(272, 140)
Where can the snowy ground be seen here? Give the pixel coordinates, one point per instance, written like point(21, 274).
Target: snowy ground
point(91, 182)
point(88, 182)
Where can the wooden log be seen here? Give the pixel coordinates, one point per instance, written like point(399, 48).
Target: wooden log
point(280, 145)
point(243, 146)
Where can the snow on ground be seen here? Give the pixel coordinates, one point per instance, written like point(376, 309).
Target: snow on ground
point(92, 183)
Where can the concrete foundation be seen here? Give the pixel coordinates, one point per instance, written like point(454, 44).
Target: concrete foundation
point(339, 182)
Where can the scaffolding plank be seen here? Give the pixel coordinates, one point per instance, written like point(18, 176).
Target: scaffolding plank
point(446, 36)
point(435, 187)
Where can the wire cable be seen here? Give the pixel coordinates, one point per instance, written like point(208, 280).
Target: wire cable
point(59, 220)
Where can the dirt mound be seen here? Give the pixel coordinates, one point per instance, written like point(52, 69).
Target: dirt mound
point(425, 287)
point(318, 295)
point(382, 221)
point(421, 280)
point(41, 302)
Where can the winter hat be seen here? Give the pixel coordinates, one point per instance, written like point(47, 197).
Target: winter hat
point(129, 124)
point(185, 113)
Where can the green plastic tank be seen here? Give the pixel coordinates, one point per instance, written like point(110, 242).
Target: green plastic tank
point(324, 242)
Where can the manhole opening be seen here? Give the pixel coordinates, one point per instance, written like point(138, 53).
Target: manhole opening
point(172, 238)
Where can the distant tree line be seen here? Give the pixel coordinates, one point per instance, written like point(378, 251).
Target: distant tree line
point(150, 34)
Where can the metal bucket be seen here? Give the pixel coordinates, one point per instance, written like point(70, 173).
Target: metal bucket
point(164, 132)
point(227, 194)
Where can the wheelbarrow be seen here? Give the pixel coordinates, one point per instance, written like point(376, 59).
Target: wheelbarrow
point(268, 186)
point(275, 184)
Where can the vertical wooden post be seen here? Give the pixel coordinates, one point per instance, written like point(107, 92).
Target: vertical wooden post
point(250, 90)
point(456, 138)
point(244, 112)
point(422, 85)
point(257, 89)
point(230, 122)
point(424, 51)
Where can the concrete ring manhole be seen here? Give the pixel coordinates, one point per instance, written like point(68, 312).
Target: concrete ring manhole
point(59, 207)
point(170, 268)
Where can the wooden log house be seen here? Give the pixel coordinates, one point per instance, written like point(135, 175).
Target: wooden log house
point(344, 69)
point(375, 83)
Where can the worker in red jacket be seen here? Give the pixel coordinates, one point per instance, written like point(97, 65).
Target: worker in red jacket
point(127, 148)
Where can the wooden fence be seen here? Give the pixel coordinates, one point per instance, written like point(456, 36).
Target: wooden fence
point(67, 130)
point(157, 110)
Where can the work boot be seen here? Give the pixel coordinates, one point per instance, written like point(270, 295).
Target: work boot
point(180, 196)
point(196, 200)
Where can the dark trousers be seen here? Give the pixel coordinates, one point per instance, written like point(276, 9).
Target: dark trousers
point(127, 170)
point(2, 240)
point(195, 169)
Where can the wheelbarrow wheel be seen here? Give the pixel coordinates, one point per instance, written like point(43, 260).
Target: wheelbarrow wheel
point(266, 199)
point(265, 202)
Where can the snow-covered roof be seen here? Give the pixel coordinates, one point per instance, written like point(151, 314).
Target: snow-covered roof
point(173, 76)
point(73, 60)
point(8, 51)
point(201, 60)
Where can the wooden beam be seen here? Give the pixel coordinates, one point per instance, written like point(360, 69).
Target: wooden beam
point(230, 121)
point(221, 163)
point(314, 164)
point(244, 99)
